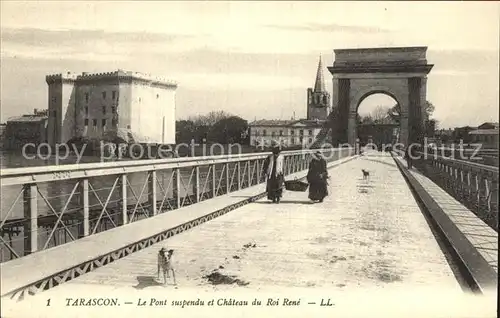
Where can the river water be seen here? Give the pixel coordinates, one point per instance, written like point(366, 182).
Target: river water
point(54, 195)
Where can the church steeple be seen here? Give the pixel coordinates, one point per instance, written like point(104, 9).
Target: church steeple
point(319, 85)
point(318, 98)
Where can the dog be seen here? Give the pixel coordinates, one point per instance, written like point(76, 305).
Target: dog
point(366, 174)
point(165, 264)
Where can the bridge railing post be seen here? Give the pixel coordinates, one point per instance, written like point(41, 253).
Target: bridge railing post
point(84, 226)
point(214, 180)
point(196, 184)
point(287, 165)
point(249, 173)
point(228, 185)
point(259, 169)
point(238, 174)
point(31, 218)
point(152, 192)
point(177, 187)
point(123, 199)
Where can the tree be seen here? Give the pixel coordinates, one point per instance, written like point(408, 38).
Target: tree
point(430, 127)
point(395, 111)
point(365, 120)
point(429, 124)
point(185, 131)
point(229, 130)
point(379, 114)
point(210, 119)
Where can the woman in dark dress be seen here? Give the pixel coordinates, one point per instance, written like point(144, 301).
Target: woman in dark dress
point(273, 169)
point(317, 178)
point(409, 157)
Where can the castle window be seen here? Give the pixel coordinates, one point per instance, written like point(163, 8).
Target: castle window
point(310, 132)
point(113, 109)
point(273, 133)
point(104, 110)
point(113, 95)
point(103, 95)
point(86, 97)
point(281, 132)
point(301, 132)
point(292, 132)
point(94, 122)
point(86, 110)
point(114, 122)
point(104, 123)
point(301, 139)
point(86, 122)
point(264, 132)
point(324, 100)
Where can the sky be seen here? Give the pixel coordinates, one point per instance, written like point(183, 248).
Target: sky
point(252, 59)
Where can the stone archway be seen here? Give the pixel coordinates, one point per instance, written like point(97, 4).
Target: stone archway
point(399, 72)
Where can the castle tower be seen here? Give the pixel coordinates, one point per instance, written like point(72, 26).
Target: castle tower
point(318, 99)
point(61, 107)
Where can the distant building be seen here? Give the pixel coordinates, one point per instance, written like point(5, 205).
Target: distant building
point(26, 129)
point(462, 134)
point(300, 132)
point(486, 134)
point(287, 133)
point(88, 105)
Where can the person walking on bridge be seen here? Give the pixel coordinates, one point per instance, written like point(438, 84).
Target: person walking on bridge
point(317, 178)
point(409, 156)
point(273, 169)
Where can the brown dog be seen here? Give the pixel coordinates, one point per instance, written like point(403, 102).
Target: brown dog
point(165, 264)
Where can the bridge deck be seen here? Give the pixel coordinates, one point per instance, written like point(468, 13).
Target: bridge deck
point(367, 233)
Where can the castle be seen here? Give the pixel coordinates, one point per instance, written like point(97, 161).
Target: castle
point(89, 105)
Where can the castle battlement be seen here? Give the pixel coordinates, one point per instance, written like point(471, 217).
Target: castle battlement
point(67, 77)
point(118, 74)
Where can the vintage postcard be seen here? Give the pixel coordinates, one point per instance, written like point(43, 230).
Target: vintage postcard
point(247, 158)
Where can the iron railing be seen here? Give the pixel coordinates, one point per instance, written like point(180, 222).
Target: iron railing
point(43, 207)
point(472, 184)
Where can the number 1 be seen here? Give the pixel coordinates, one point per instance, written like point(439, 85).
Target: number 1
point(48, 302)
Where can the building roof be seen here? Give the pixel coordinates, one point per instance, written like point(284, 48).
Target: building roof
point(27, 118)
point(466, 128)
point(271, 122)
point(488, 124)
point(484, 132)
point(319, 85)
point(287, 123)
